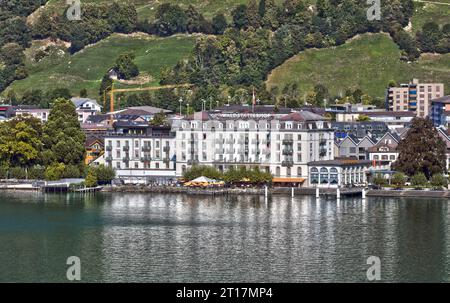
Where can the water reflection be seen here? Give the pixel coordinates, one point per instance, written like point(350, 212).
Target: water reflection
point(176, 238)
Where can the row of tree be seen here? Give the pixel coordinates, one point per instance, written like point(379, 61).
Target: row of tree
point(232, 176)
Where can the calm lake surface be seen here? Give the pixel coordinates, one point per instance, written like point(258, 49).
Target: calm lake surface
point(177, 238)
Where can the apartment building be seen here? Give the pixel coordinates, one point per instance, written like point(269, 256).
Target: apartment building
point(141, 152)
point(414, 96)
point(440, 111)
point(280, 143)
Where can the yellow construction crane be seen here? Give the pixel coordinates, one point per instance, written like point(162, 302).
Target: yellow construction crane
point(112, 91)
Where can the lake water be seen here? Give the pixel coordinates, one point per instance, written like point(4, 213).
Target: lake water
point(177, 238)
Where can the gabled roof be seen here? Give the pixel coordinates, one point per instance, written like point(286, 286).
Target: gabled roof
point(92, 140)
point(78, 102)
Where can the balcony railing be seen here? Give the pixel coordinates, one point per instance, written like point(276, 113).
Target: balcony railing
point(166, 149)
point(193, 162)
point(126, 148)
point(109, 148)
point(288, 163)
point(126, 159)
point(288, 152)
point(146, 148)
point(146, 159)
point(288, 141)
point(108, 159)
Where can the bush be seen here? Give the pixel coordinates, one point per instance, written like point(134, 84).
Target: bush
point(55, 172)
point(105, 174)
point(398, 180)
point(36, 173)
point(17, 173)
point(4, 172)
point(419, 181)
point(91, 178)
point(379, 180)
point(438, 181)
point(72, 171)
point(199, 171)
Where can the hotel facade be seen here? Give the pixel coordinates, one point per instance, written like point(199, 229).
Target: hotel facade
point(281, 144)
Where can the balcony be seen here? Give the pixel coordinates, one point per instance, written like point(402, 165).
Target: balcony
point(146, 159)
point(288, 163)
point(108, 159)
point(323, 142)
point(126, 159)
point(288, 152)
point(322, 152)
point(166, 160)
point(193, 162)
point(166, 149)
point(126, 148)
point(146, 148)
point(288, 141)
point(109, 148)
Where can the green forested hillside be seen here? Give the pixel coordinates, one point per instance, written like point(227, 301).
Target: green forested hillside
point(86, 68)
point(286, 39)
point(368, 62)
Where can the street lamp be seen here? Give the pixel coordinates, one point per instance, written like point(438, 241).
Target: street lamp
point(181, 102)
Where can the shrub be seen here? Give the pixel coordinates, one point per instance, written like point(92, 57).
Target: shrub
point(105, 174)
point(72, 171)
point(36, 173)
point(438, 181)
point(91, 178)
point(55, 172)
point(398, 180)
point(419, 180)
point(4, 172)
point(379, 180)
point(17, 173)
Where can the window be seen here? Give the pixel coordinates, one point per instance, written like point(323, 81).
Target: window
point(299, 171)
point(324, 177)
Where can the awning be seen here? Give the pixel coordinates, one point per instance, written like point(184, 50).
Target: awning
point(288, 180)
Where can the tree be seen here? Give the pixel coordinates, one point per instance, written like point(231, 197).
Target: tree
point(422, 150)
point(170, 19)
point(379, 180)
point(159, 119)
point(438, 181)
point(419, 180)
point(398, 180)
point(62, 135)
point(253, 17)
point(105, 84)
point(202, 171)
point(83, 93)
point(125, 66)
point(270, 19)
point(239, 15)
point(20, 141)
point(104, 174)
point(219, 24)
point(54, 172)
point(91, 178)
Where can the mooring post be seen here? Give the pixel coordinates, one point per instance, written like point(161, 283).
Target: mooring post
point(266, 192)
point(338, 193)
point(317, 193)
point(363, 193)
point(293, 193)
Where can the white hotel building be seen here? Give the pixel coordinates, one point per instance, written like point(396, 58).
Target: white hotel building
point(281, 143)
